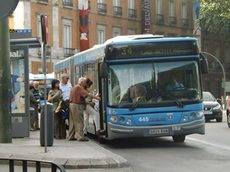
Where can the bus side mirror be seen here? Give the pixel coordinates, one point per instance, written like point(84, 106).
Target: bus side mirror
point(203, 64)
point(103, 70)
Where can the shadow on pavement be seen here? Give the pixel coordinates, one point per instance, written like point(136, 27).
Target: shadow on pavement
point(146, 143)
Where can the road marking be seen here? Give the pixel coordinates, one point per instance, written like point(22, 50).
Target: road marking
point(210, 144)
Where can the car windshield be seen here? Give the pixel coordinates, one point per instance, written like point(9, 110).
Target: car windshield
point(208, 96)
point(151, 83)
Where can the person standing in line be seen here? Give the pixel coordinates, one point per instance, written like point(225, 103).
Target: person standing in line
point(65, 87)
point(90, 109)
point(33, 109)
point(78, 97)
point(37, 96)
point(55, 97)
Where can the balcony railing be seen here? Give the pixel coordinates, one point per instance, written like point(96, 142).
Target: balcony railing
point(172, 21)
point(132, 13)
point(117, 11)
point(67, 3)
point(43, 1)
point(184, 23)
point(101, 8)
point(160, 19)
point(68, 52)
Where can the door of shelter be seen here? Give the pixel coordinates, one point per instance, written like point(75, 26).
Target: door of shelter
point(20, 92)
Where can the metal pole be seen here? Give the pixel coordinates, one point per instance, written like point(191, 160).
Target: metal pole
point(45, 95)
point(5, 83)
point(224, 74)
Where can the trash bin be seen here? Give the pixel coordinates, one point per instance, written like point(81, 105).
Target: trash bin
point(50, 125)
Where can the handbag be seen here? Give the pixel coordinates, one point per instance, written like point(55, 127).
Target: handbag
point(58, 109)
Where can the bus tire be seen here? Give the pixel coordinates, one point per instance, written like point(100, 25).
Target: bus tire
point(179, 138)
point(101, 139)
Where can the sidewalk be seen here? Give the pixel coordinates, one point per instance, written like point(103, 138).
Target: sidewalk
point(70, 154)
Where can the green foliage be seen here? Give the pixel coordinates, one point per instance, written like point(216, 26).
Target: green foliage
point(215, 16)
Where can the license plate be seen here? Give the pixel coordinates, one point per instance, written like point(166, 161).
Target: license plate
point(207, 112)
point(158, 131)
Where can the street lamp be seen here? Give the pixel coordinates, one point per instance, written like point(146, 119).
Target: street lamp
point(223, 71)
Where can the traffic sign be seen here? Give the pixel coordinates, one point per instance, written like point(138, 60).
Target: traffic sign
point(7, 7)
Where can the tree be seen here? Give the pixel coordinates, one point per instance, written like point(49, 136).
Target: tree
point(215, 16)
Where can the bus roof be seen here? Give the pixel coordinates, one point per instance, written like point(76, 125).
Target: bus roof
point(95, 52)
point(146, 38)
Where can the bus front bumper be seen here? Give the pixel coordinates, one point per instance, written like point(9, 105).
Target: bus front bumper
point(118, 131)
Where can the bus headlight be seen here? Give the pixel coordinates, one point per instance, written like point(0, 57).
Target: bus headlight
point(199, 114)
point(186, 117)
point(129, 121)
point(113, 119)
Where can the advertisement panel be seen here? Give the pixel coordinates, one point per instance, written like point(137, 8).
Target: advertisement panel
point(84, 21)
point(146, 16)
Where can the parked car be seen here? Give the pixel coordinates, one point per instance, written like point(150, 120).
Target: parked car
point(228, 111)
point(212, 109)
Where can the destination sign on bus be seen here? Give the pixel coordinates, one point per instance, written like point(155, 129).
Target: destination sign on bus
point(154, 50)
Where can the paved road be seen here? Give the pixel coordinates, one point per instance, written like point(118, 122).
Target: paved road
point(198, 154)
point(209, 153)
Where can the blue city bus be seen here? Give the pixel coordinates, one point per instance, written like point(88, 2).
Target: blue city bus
point(150, 85)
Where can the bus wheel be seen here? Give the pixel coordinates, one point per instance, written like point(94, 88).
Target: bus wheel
point(179, 138)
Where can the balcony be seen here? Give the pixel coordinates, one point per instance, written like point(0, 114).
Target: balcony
point(172, 21)
point(132, 13)
point(184, 23)
point(117, 11)
point(101, 8)
point(67, 3)
point(160, 19)
point(68, 52)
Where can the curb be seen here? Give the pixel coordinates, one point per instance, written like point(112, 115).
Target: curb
point(115, 162)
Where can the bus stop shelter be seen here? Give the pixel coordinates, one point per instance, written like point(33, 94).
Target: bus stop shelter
point(20, 104)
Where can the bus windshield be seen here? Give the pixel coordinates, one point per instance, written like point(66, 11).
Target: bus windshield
point(153, 83)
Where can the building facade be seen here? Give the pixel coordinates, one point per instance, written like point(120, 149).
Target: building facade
point(63, 39)
point(121, 17)
point(102, 20)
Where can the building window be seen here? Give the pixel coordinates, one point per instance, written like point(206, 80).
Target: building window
point(67, 37)
point(171, 8)
point(132, 13)
point(116, 31)
point(131, 4)
point(100, 34)
point(68, 3)
point(184, 9)
point(101, 6)
point(116, 3)
point(159, 6)
point(117, 10)
point(39, 27)
point(131, 32)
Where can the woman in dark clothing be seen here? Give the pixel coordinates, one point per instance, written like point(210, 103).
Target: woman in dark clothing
point(55, 97)
point(33, 109)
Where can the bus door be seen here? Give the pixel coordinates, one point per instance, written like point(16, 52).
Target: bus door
point(102, 105)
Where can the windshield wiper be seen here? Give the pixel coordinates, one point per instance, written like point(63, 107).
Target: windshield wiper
point(179, 103)
point(135, 105)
